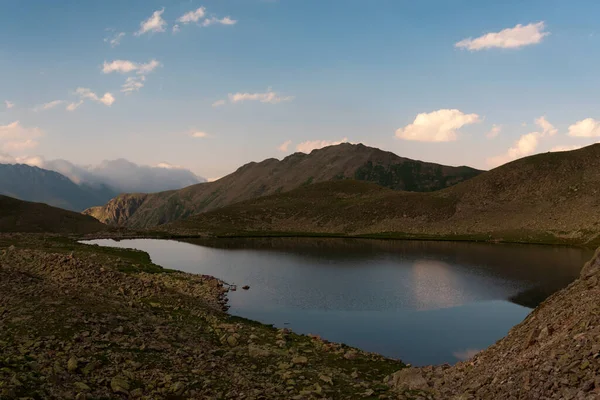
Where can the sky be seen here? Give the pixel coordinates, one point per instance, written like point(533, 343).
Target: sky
point(211, 85)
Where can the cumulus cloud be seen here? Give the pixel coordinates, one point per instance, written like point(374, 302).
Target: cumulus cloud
point(219, 103)
point(48, 106)
point(176, 28)
point(526, 144)
point(310, 145)
point(437, 126)
point(9, 104)
point(269, 97)
point(115, 40)
point(510, 38)
point(495, 131)
point(153, 24)
point(126, 66)
point(133, 84)
point(284, 146)
point(222, 21)
point(198, 134)
point(588, 127)
point(15, 138)
point(84, 93)
point(73, 106)
point(192, 16)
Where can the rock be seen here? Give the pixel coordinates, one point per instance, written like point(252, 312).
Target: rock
point(407, 379)
point(300, 360)
point(326, 379)
point(72, 364)
point(82, 387)
point(350, 355)
point(257, 351)
point(119, 384)
point(232, 341)
point(136, 393)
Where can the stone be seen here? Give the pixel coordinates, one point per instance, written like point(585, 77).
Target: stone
point(408, 379)
point(82, 387)
point(232, 341)
point(72, 364)
point(119, 384)
point(300, 360)
point(257, 351)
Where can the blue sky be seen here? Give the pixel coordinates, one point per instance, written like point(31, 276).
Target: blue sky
point(305, 72)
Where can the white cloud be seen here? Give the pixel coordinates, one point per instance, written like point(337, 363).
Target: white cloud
point(198, 134)
point(565, 148)
point(284, 146)
point(153, 24)
point(222, 21)
point(219, 103)
point(176, 28)
point(588, 127)
point(85, 93)
point(133, 84)
point(526, 144)
point(126, 66)
point(437, 126)
point(310, 145)
point(547, 127)
point(73, 106)
point(48, 106)
point(14, 137)
point(192, 16)
point(510, 38)
point(9, 104)
point(267, 97)
point(495, 131)
point(115, 40)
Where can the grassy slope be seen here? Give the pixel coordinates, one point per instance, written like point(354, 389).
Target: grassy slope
point(547, 198)
point(271, 176)
point(23, 216)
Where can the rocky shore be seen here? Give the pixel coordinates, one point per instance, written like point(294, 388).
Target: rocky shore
point(85, 322)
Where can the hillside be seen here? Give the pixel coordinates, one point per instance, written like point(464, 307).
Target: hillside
point(23, 216)
point(36, 184)
point(271, 176)
point(552, 197)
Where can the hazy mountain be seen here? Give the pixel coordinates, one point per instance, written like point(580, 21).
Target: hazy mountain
point(23, 216)
point(549, 198)
point(35, 184)
point(340, 162)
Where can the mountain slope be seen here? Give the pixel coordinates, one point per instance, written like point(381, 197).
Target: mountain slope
point(35, 184)
point(344, 161)
point(546, 197)
point(23, 216)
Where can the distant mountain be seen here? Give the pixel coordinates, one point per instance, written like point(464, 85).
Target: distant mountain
point(333, 163)
point(546, 198)
point(23, 216)
point(35, 184)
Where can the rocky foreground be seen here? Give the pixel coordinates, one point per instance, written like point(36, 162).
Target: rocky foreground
point(86, 322)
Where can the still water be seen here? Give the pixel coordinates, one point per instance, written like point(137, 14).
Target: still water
point(421, 302)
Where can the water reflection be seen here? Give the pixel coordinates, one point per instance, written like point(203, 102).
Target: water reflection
point(423, 302)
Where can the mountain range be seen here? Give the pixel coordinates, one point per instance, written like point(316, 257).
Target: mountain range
point(333, 163)
point(548, 198)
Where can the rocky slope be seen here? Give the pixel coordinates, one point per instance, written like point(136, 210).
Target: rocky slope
point(548, 198)
point(36, 184)
point(333, 163)
point(24, 216)
point(84, 322)
point(553, 354)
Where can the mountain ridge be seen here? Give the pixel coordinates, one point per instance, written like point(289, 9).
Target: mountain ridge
point(271, 176)
point(550, 197)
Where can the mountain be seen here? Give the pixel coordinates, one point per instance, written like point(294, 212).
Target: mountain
point(550, 198)
point(271, 176)
point(23, 216)
point(35, 184)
